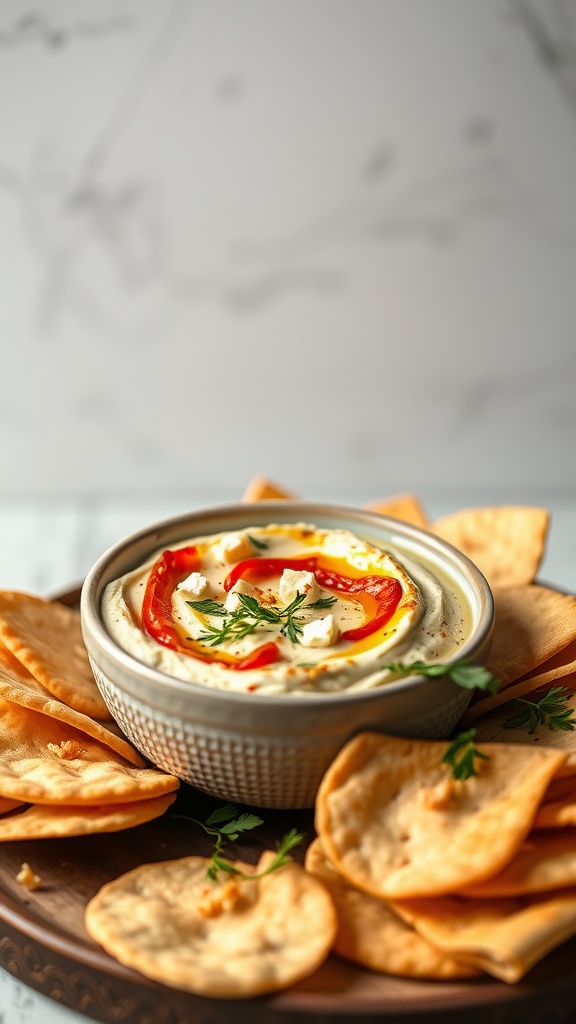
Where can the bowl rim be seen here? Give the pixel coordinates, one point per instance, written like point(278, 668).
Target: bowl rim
point(92, 588)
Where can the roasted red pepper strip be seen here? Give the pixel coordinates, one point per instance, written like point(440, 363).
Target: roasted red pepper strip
point(167, 572)
point(386, 591)
point(260, 656)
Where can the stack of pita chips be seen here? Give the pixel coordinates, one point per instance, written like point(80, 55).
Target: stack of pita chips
point(439, 877)
point(65, 769)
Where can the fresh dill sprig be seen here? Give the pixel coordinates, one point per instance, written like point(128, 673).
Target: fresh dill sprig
point(461, 672)
point(250, 614)
point(461, 754)
point(225, 824)
point(550, 710)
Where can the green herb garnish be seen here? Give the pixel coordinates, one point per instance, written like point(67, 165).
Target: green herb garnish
point(550, 710)
point(260, 544)
point(251, 614)
point(225, 824)
point(461, 753)
point(461, 672)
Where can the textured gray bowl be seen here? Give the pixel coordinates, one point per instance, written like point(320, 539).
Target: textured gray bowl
point(271, 751)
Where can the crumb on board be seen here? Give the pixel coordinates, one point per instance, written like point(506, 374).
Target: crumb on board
point(28, 878)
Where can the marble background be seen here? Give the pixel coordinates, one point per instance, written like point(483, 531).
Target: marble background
point(331, 242)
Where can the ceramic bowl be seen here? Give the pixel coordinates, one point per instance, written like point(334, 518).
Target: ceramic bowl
point(263, 750)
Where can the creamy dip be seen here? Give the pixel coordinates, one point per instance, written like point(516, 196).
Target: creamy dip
point(282, 609)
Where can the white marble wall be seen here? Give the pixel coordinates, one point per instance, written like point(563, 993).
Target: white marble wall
point(333, 241)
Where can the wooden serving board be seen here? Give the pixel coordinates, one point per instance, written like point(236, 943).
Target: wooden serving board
point(43, 942)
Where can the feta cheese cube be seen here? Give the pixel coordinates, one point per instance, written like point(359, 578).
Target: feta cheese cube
point(297, 581)
point(196, 585)
point(232, 548)
point(232, 602)
point(319, 632)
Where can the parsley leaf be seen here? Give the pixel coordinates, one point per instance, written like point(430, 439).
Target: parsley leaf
point(550, 710)
point(461, 672)
point(461, 753)
point(226, 823)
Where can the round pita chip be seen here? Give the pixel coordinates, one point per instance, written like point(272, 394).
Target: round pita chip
point(372, 934)
point(506, 542)
point(503, 937)
point(233, 939)
point(387, 811)
point(47, 639)
point(51, 822)
point(45, 761)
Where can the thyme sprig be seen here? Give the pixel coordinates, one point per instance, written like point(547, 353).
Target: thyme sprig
point(225, 824)
point(461, 754)
point(550, 710)
point(461, 672)
point(250, 614)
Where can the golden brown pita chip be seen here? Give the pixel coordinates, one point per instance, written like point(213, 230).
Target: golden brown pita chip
point(406, 507)
point(224, 940)
point(387, 811)
point(45, 761)
point(546, 860)
point(46, 638)
point(504, 937)
point(559, 670)
point(27, 692)
point(371, 933)
point(506, 542)
point(54, 822)
point(262, 489)
point(558, 808)
point(7, 805)
point(492, 727)
point(532, 624)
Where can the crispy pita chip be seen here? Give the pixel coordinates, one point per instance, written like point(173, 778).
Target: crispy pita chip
point(546, 860)
point(387, 808)
point(493, 728)
point(224, 940)
point(372, 934)
point(27, 692)
point(503, 937)
point(532, 625)
point(6, 805)
point(45, 761)
point(558, 809)
point(405, 507)
point(262, 489)
point(46, 638)
point(506, 542)
point(51, 822)
point(559, 670)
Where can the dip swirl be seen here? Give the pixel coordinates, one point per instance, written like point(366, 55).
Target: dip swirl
point(282, 609)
